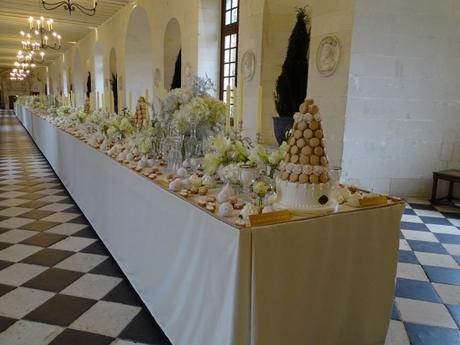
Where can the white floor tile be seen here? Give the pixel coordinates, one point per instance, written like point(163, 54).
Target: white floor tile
point(106, 318)
point(12, 195)
point(12, 202)
point(61, 217)
point(18, 252)
point(455, 222)
point(81, 262)
point(16, 235)
point(403, 245)
point(21, 301)
point(14, 211)
point(443, 229)
point(14, 222)
point(411, 218)
point(67, 229)
point(439, 260)
point(92, 286)
point(425, 313)
point(452, 249)
point(55, 207)
point(74, 244)
point(396, 334)
point(417, 201)
point(18, 274)
point(411, 271)
point(53, 198)
point(450, 294)
point(428, 213)
point(419, 235)
point(29, 333)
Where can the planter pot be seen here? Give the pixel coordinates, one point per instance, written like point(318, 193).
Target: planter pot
point(281, 126)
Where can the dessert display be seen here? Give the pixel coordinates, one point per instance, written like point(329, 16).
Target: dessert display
point(141, 115)
point(304, 183)
point(293, 177)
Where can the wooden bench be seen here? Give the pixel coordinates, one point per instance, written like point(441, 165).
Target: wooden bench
point(452, 176)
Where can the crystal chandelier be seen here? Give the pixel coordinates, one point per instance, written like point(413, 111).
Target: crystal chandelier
point(70, 6)
point(29, 59)
point(41, 35)
point(19, 74)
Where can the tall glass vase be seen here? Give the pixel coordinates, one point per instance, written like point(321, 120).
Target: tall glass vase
point(192, 146)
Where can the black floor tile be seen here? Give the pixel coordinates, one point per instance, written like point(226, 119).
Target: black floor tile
point(37, 214)
point(4, 264)
point(43, 239)
point(5, 322)
point(54, 280)
point(79, 220)
point(125, 294)
point(74, 337)
point(87, 232)
point(40, 225)
point(96, 248)
point(48, 257)
point(61, 310)
point(144, 329)
point(109, 268)
point(4, 289)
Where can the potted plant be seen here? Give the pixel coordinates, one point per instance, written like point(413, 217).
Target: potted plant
point(291, 86)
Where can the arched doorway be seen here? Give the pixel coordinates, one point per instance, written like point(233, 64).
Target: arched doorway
point(99, 74)
point(172, 55)
point(114, 80)
point(78, 88)
point(138, 56)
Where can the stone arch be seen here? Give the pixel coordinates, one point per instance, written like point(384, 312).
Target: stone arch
point(172, 46)
point(138, 56)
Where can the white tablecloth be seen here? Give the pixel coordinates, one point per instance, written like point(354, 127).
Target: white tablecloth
point(327, 280)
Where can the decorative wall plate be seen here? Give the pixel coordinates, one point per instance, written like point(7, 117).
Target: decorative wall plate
point(328, 55)
point(248, 65)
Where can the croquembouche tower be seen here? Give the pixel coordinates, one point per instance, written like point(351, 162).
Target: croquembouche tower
point(304, 182)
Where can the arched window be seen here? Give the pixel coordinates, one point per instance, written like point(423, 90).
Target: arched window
point(229, 46)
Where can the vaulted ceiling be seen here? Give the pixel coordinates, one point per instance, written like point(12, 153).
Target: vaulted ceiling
point(14, 15)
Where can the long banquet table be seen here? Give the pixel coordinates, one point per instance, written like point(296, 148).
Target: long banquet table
point(327, 280)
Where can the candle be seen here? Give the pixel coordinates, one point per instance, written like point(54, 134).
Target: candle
point(107, 101)
point(90, 100)
point(241, 99)
point(120, 102)
point(147, 101)
point(259, 110)
point(111, 101)
point(130, 102)
point(235, 107)
point(31, 23)
point(227, 105)
point(97, 100)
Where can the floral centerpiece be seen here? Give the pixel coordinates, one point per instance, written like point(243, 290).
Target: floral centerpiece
point(118, 128)
point(187, 110)
point(271, 160)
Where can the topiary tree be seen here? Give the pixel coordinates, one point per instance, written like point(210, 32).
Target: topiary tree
point(114, 87)
point(176, 82)
point(291, 86)
point(88, 85)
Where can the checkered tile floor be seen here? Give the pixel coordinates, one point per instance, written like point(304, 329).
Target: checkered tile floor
point(58, 283)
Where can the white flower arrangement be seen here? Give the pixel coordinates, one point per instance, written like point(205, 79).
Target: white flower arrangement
point(184, 109)
point(272, 160)
point(225, 151)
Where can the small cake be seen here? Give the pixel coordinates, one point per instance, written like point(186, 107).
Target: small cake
point(304, 181)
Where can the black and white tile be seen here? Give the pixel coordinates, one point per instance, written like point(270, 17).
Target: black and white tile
point(58, 283)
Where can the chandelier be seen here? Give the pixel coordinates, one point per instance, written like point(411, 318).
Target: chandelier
point(41, 35)
point(70, 6)
point(31, 58)
point(19, 74)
